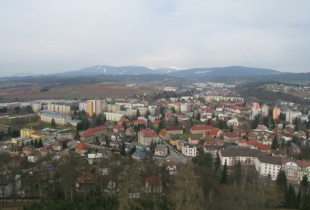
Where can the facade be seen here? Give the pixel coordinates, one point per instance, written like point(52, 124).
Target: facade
point(291, 115)
point(110, 116)
point(276, 113)
point(146, 136)
point(94, 107)
point(60, 108)
point(201, 129)
point(60, 119)
point(83, 106)
point(174, 130)
point(161, 150)
point(189, 150)
point(153, 184)
point(265, 110)
point(295, 169)
point(268, 165)
point(232, 155)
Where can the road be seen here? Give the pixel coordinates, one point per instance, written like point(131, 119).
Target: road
point(174, 155)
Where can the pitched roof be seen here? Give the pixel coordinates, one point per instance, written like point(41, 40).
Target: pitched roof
point(300, 163)
point(100, 128)
point(202, 127)
point(258, 145)
point(140, 122)
point(87, 134)
point(81, 145)
point(153, 180)
point(231, 135)
point(87, 178)
point(124, 120)
point(118, 127)
point(156, 122)
point(245, 152)
point(148, 133)
point(270, 159)
point(176, 128)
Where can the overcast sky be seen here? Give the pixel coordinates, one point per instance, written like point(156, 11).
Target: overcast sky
point(44, 36)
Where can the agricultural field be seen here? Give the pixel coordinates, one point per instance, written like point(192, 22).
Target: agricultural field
point(31, 91)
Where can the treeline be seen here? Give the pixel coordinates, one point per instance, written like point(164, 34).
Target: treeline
point(203, 183)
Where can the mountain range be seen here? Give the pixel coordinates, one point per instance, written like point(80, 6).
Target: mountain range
point(231, 74)
point(194, 73)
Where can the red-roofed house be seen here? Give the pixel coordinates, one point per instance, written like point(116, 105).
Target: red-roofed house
point(156, 123)
point(231, 137)
point(295, 169)
point(118, 129)
point(194, 140)
point(86, 183)
point(174, 130)
point(163, 134)
point(153, 184)
point(171, 167)
point(140, 122)
point(201, 129)
point(213, 133)
point(255, 144)
point(81, 148)
point(146, 136)
point(87, 136)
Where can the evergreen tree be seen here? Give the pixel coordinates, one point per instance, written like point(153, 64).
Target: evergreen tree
point(282, 181)
point(198, 116)
point(291, 199)
point(40, 143)
point(123, 151)
point(224, 176)
point(53, 123)
point(217, 163)
point(237, 173)
point(275, 143)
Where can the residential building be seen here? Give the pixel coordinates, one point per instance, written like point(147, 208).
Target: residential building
point(60, 119)
point(231, 156)
point(60, 108)
point(268, 165)
point(110, 116)
point(161, 150)
point(146, 136)
point(153, 184)
point(81, 148)
point(189, 150)
point(276, 113)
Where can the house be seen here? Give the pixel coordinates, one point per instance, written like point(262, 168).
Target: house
point(15, 151)
point(171, 167)
point(200, 129)
point(257, 145)
point(138, 155)
point(140, 122)
point(174, 130)
point(189, 150)
point(81, 148)
point(153, 184)
point(130, 132)
point(119, 129)
point(295, 169)
point(163, 134)
point(57, 145)
point(87, 136)
point(27, 150)
point(146, 136)
point(268, 165)
point(44, 151)
point(231, 137)
point(174, 140)
point(194, 140)
point(86, 183)
point(156, 123)
point(111, 185)
point(161, 150)
point(124, 120)
point(213, 133)
point(34, 156)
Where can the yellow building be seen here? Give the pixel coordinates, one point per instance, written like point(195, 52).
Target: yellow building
point(175, 106)
point(31, 134)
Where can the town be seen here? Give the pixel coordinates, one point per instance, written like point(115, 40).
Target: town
point(150, 145)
